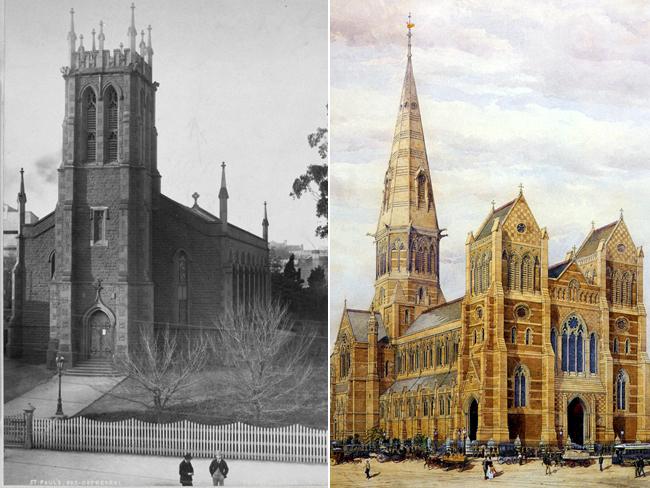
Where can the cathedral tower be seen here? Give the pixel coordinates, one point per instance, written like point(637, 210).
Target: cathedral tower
point(102, 289)
point(408, 237)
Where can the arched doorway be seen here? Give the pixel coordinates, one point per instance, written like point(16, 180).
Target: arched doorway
point(101, 335)
point(576, 421)
point(473, 420)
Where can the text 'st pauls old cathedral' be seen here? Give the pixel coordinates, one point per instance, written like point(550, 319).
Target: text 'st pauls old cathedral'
point(542, 352)
point(116, 254)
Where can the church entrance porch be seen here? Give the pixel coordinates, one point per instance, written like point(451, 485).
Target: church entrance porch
point(101, 336)
point(473, 420)
point(576, 421)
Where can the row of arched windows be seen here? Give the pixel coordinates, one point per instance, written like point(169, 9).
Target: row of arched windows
point(621, 288)
point(480, 273)
point(627, 349)
point(574, 334)
point(440, 352)
point(110, 124)
point(521, 274)
point(421, 259)
point(422, 407)
point(528, 336)
point(249, 285)
point(344, 362)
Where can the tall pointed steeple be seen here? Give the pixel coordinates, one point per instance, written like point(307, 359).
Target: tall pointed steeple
point(408, 192)
point(223, 197)
point(132, 32)
point(265, 225)
point(408, 236)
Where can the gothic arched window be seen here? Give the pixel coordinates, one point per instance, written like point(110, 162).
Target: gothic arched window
point(526, 274)
point(554, 340)
point(110, 124)
point(520, 387)
point(592, 352)
point(513, 265)
point(565, 351)
point(615, 349)
point(182, 288)
point(580, 353)
point(573, 346)
point(627, 346)
point(90, 103)
point(422, 184)
point(622, 381)
point(52, 262)
point(529, 337)
point(513, 335)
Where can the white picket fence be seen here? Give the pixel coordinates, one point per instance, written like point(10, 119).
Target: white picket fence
point(294, 443)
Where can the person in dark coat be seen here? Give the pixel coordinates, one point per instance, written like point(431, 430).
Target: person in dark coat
point(186, 471)
point(218, 470)
point(600, 460)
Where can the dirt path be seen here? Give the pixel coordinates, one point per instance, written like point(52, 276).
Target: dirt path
point(412, 474)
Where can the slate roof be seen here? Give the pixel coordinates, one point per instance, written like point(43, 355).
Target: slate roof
point(442, 314)
point(499, 213)
point(591, 244)
point(558, 268)
point(429, 381)
point(359, 323)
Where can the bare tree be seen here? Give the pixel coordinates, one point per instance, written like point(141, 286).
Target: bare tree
point(164, 365)
point(268, 360)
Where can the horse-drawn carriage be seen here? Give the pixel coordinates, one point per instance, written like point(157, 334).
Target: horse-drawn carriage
point(447, 461)
point(573, 457)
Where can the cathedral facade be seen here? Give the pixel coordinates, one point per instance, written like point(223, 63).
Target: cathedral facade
point(117, 255)
point(539, 351)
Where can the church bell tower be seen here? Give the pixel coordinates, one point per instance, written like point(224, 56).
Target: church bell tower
point(408, 237)
point(108, 184)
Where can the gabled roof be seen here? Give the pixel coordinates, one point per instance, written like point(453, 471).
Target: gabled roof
point(440, 315)
point(499, 213)
point(412, 384)
point(591, 243)
point(557, 269)
point(359, 323)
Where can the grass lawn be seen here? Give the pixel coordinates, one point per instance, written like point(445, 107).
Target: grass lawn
point(20, 377)
point(210, 400)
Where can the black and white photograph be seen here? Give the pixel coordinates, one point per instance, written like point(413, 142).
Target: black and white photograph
point(165, 242)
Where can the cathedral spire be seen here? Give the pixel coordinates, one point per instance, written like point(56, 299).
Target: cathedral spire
point(101, 37)
point(149, 48)
point(408, 190)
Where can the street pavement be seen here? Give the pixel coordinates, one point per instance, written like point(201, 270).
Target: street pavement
point(46, 468)
point(77, 392)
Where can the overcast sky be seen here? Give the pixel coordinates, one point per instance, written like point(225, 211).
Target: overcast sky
point(241, 82)
point(551, 94)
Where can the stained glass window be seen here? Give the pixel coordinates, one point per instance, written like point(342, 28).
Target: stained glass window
point(565, 352)
point(592, 353)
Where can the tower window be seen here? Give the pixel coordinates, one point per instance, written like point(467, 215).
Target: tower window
point(182, 288)
point(422, 183)
point(592, 353)
point(98, 217)
point(110, 125)
point(529, 337)
point(91, 125)
point(520, 387)
point(621, 390)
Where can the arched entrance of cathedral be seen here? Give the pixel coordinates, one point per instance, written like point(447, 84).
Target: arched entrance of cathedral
point(101, 335)
point(576, 415)
point(473, 420)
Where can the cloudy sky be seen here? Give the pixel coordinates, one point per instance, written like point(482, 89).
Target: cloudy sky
point(554, 95)
point(241, 82)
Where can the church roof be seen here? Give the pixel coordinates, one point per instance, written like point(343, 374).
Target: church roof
point(442, 314)
point(429, 381)
point(500, 214)
point(359, 323)
point(591, 243)
point(557, 269)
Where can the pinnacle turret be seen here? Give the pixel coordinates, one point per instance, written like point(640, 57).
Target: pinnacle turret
point(265, 225)
point(132, 32)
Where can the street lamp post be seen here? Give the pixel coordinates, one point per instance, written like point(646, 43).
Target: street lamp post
point(60, 360)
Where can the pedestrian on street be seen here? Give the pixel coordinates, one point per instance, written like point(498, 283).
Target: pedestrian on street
point(641, 464)
point(367, 469)
point(218, 470)
point(485, 468)
point(186, 471)
point(521, 459)
point(547, 463)
point(600, 460)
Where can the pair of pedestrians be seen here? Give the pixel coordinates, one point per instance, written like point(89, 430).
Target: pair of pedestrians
point(218, 470)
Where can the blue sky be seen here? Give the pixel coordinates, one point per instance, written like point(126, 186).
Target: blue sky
point(553, 95)
point(239, 82)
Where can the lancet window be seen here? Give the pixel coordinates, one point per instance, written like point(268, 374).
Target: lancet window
point(592, 352)
point(91, 125)
point(520, 387)
point(622, 383)
point(182, 288)
point(110, 124)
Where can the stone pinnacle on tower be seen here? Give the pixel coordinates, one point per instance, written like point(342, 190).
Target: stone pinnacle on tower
point(101, 37)
point(223, 196)
point(149, 48)
point(142, 46)
point(72, 37)
point(265, 225)
point(132, 32)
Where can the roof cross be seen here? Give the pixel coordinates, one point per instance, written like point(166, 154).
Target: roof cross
point(195, 196)
point(521, 188)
